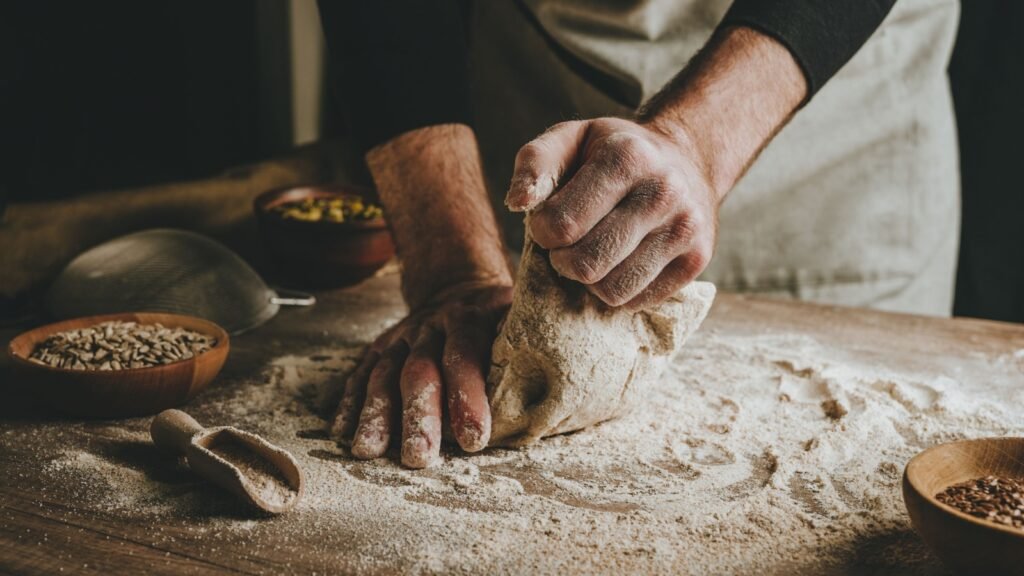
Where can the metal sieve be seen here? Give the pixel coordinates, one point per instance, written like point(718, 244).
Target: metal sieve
point(167, 270)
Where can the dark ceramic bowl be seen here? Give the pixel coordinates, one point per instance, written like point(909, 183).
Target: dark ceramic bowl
point(321, 254)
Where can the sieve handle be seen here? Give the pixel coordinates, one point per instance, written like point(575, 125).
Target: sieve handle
point(173, 430)
point(284, 297)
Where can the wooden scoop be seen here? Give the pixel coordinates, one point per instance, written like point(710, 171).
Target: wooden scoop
point(242, 463)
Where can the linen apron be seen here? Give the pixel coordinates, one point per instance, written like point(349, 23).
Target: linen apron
point(856, 201)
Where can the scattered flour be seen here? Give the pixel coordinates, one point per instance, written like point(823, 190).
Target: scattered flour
point(764, 453)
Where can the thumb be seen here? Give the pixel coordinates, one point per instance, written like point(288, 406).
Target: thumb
point(541, 163)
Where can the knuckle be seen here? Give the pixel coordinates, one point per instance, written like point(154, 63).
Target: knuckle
point(619, 287)
point(699, 219)
point(554, 228)
point(528, 152)
point(606, 123)
point(680, 231)
point(625, 142)
point(586, 272)
point(566, 125)
point(675, 279)
point(457, 315)
point(656, 196)
point(683, 270)
point(700, 257)
point(393, 356)
point(576, 264)
point(630, 149)
point(383, 342)
point(611, 293)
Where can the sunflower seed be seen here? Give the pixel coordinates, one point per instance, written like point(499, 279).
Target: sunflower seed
point(119, 345)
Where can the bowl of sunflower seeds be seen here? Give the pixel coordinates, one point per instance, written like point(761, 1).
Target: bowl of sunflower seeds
point(323, 236)
point(119, 365)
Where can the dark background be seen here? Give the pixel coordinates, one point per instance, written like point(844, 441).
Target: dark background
point(987, 76)
point(127, 93)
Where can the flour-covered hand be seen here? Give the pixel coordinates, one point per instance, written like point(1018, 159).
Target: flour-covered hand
point(623, 207)
point(438, 354)
point(458, 285)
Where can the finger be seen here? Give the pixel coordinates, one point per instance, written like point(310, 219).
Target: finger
point(616, 236)
point(467, 357)
point(572, 211)
point(638, 270)
point(605, 178)
point(382, 401)
point(421, 401)
point(672, 279)
point(541, 163)
point(347, 414)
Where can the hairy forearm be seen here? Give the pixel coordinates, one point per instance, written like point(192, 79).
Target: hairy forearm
point(734, 97)
point(431, 184)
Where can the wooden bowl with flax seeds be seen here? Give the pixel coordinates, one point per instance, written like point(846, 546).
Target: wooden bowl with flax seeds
point(119, 365)
point(966, 500)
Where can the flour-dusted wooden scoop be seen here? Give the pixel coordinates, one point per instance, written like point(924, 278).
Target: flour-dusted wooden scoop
point(242, 463)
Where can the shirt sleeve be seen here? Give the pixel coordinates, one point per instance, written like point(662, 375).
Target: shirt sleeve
point(397, 65)
point(822, 35)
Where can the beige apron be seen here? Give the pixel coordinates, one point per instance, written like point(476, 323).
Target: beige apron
point(856, 201)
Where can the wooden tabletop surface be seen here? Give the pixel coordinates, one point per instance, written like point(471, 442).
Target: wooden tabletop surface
point(45, 530)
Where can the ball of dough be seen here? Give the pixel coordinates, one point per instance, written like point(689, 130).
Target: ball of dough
point(564, 361)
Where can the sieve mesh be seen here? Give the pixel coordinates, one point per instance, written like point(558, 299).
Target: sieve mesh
point(163, 270)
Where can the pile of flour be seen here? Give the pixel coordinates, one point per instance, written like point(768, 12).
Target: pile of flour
point(764, 453)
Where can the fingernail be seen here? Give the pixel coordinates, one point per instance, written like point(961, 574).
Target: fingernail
point(537, 191)
point(513, 202)
point(416, 452)
point(473, 438)
point(370, 440)
point(366, 448)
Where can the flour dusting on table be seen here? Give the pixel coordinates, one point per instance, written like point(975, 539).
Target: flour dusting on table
point(763, 453)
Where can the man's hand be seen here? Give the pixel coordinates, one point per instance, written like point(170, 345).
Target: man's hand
point(630, 208)
point(456, 280)
point(437, 357)
point(637, 219)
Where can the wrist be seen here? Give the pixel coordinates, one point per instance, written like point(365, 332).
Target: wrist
point(429, 274)
point(729, 103)
point(431, 185)
point(424, 287)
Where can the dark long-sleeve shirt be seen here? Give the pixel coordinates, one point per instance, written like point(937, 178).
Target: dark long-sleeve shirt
point(404, 64)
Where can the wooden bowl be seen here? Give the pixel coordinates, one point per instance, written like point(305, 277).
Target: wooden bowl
point(118, 393)
point(968, 545)
point(321, 254)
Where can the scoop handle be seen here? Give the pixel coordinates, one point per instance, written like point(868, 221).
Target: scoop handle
point(173, 430)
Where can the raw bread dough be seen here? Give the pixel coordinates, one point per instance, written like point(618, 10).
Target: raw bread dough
point(563, 361)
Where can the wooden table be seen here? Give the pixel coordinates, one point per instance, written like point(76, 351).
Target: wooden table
point(46, 528)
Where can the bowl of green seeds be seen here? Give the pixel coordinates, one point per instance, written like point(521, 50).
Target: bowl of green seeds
point(317, 237)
